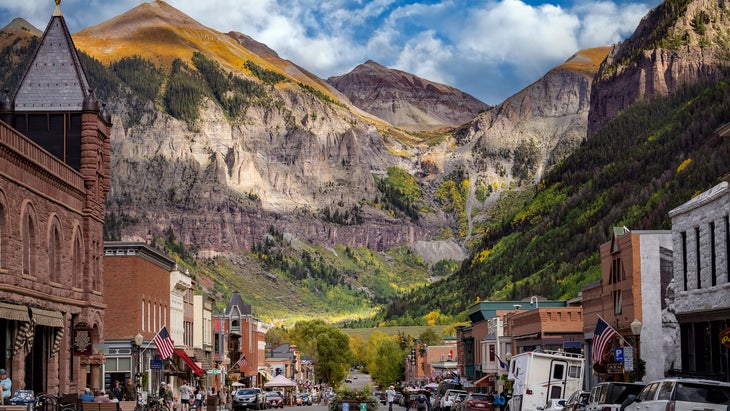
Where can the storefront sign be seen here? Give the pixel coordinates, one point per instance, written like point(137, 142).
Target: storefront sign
point(82, 341)
point(615, 367)
point(725, 337)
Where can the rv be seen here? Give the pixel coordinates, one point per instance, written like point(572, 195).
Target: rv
point(543, 375)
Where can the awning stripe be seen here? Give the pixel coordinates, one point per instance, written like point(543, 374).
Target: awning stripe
point(47, 318)
point(14, 312)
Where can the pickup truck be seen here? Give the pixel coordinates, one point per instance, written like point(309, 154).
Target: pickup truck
point(608, 396)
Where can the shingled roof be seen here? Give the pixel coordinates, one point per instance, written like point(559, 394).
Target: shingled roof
point(55, 79)
point(237, 301)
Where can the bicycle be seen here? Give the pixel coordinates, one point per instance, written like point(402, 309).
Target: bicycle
point(157, 404)
point(50, 402)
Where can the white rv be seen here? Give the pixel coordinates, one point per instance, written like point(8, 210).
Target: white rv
point(543, 375)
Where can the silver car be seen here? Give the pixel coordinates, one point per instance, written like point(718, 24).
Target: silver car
point(682, 394)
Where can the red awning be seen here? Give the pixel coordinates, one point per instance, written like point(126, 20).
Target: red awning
point(189, 361)
point(484, 381)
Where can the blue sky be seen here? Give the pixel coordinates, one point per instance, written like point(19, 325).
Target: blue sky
point(489, 49)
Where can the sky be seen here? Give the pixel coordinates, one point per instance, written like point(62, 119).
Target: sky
point(489, 49)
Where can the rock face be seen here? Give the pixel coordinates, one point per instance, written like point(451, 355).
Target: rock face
point(405, 100)
point(676, 44)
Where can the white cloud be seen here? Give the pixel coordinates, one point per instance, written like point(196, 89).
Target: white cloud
point(490, 49)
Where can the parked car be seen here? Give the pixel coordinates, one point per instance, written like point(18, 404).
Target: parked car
point(274, 399)
point(577, 401)
point(553, 404)
point(448, 399)
point(682, 394)
point(475, 401)
point(398, 398)
point(444, 386)
point(608, 396)
point(245, 398)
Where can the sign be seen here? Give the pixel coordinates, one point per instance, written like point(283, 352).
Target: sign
point(615, 367)
point(725, 337)
point(618, 354)
point(363, 406)
point(82, 341)
point(345, 406)
point(628, 359)
point(155, 364)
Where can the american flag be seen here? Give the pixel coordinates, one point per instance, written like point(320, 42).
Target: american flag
point(601, 337)
point(242, 362)
point(164, 343)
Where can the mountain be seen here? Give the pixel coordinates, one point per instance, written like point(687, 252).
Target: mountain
point(679, 43)
point(641, 161)
point(405, 100)
point(263, 178)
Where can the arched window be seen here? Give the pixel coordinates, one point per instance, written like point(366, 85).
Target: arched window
point(77, 265)
point(3, 231)
point(29, 242)
point(54, 253)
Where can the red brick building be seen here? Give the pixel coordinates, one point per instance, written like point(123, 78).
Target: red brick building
point(54, 176)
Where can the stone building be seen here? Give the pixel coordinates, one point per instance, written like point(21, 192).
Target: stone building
point(54, 177)
point(701, 286)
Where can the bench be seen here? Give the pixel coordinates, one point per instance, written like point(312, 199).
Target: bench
point(100, 406)
point(14, 407)
point(127, 405)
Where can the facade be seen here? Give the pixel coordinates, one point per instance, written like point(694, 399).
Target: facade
point(636, 268)
point(701, 283)
point(237, 333)
point(144, 292)
point(54, 177)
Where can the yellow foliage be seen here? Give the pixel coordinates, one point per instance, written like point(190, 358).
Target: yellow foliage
point(684, 165)
point(432, 317)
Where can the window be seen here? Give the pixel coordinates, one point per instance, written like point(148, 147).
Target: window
point(77, 264)
point(616, 274)
point(617, 302)
point(558, 371)
point(3, 230)
point(684, 260)
point(713, 255)
point(54, 254)
point(29, 243)
point(574, 371)
point(697, 257)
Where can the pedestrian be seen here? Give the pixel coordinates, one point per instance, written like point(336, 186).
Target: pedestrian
point(499, 401)
point(7, 387)
point(169, 396)
point(130, 391)
point(390, 397)
point(185, 394)
point(87, 396)
point(117, 390)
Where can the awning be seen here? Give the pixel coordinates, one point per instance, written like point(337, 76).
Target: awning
point(47, 318)
point(265, 375)
point(14, 312)
point(189, 361)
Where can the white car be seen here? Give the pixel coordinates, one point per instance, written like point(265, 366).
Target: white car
point(553, 404)
point(682, 394)
point(448, 399)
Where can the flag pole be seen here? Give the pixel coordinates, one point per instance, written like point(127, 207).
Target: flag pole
point(152, 340)
point(617, 333)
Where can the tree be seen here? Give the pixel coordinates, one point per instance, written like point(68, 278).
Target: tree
point(389, 363)
point(430, 337)
point(329, 347)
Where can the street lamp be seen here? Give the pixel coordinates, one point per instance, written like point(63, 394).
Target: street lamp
point(636, 330)
point(138, 340)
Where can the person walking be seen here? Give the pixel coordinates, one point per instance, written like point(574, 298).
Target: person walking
point(390, 397)
point(185, 394)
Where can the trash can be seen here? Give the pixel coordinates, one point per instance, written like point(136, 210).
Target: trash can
point(211, 403)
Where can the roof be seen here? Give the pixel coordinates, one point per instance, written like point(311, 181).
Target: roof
point(237, 302)
point(55, 79)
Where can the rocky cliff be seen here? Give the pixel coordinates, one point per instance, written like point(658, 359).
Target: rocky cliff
point(405, 100)
point(678, 43)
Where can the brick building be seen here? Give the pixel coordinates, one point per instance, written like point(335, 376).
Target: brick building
point(144, 291)
point(54, 176)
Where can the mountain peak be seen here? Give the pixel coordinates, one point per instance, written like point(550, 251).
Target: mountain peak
point(406, 100)
point(20, 27)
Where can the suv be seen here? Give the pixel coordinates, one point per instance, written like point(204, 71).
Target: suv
point(245, 398)
point(608, 396)
point(444, 386)
point(448, 399)
point(682, 394)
